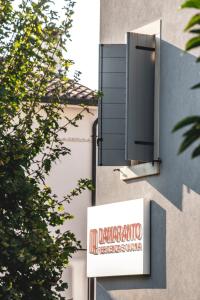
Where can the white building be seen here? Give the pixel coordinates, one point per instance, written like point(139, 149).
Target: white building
point(64, 177)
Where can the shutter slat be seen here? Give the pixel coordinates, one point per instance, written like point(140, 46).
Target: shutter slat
point(114, 64)
point(114, 80)
point(113, 126)
point(114, 110)
point(113, 50)
point(113, 155)
point(113, 141)
point(112, 105)
point(113, 95)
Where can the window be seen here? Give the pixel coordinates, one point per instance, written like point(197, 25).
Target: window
point(127, 111)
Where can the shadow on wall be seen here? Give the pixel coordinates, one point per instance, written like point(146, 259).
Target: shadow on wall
point(102, 294)
point(179, 72)
point(157, 279)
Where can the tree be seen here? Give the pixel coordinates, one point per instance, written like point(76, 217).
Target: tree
point(193, 133)
point(33, 248)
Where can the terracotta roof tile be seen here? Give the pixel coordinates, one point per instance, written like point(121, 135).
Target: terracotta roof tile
point(72, 92)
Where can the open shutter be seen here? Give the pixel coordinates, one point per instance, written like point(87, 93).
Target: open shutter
point(140, 97)
point(112, 82)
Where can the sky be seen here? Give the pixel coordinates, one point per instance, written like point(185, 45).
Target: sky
point(84, 49)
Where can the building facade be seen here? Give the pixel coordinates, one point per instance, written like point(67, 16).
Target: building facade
point(65, 175)
point(174, 187)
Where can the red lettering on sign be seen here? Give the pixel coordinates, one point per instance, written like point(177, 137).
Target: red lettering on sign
point(93, 242)
point(115, 234)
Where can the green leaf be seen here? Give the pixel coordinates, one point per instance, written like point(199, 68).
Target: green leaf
point(191, 137)
point(61, 208)
point(47, 165)
point(193, 43)
point(33, 254)
point(197, 31)
point(196, 86)
point(193, 21)
point(196, 152)
point(185, 122)
point(191, 4)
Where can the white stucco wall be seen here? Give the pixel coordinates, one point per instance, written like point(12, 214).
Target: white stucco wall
point(63, 178)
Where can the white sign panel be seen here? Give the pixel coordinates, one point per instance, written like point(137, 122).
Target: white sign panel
point(118, 239)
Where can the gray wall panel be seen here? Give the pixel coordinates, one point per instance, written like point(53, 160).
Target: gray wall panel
point(175, 255)
point(175, 220)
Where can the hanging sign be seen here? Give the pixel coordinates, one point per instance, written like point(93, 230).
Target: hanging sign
point(118, 239)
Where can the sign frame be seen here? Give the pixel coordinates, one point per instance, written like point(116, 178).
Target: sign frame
point(118, 239)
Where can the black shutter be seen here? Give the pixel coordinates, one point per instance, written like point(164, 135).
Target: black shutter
point(140, 97)
point(112, 82)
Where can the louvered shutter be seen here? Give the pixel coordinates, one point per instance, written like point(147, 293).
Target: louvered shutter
point(140, 97)
point(112, 82)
